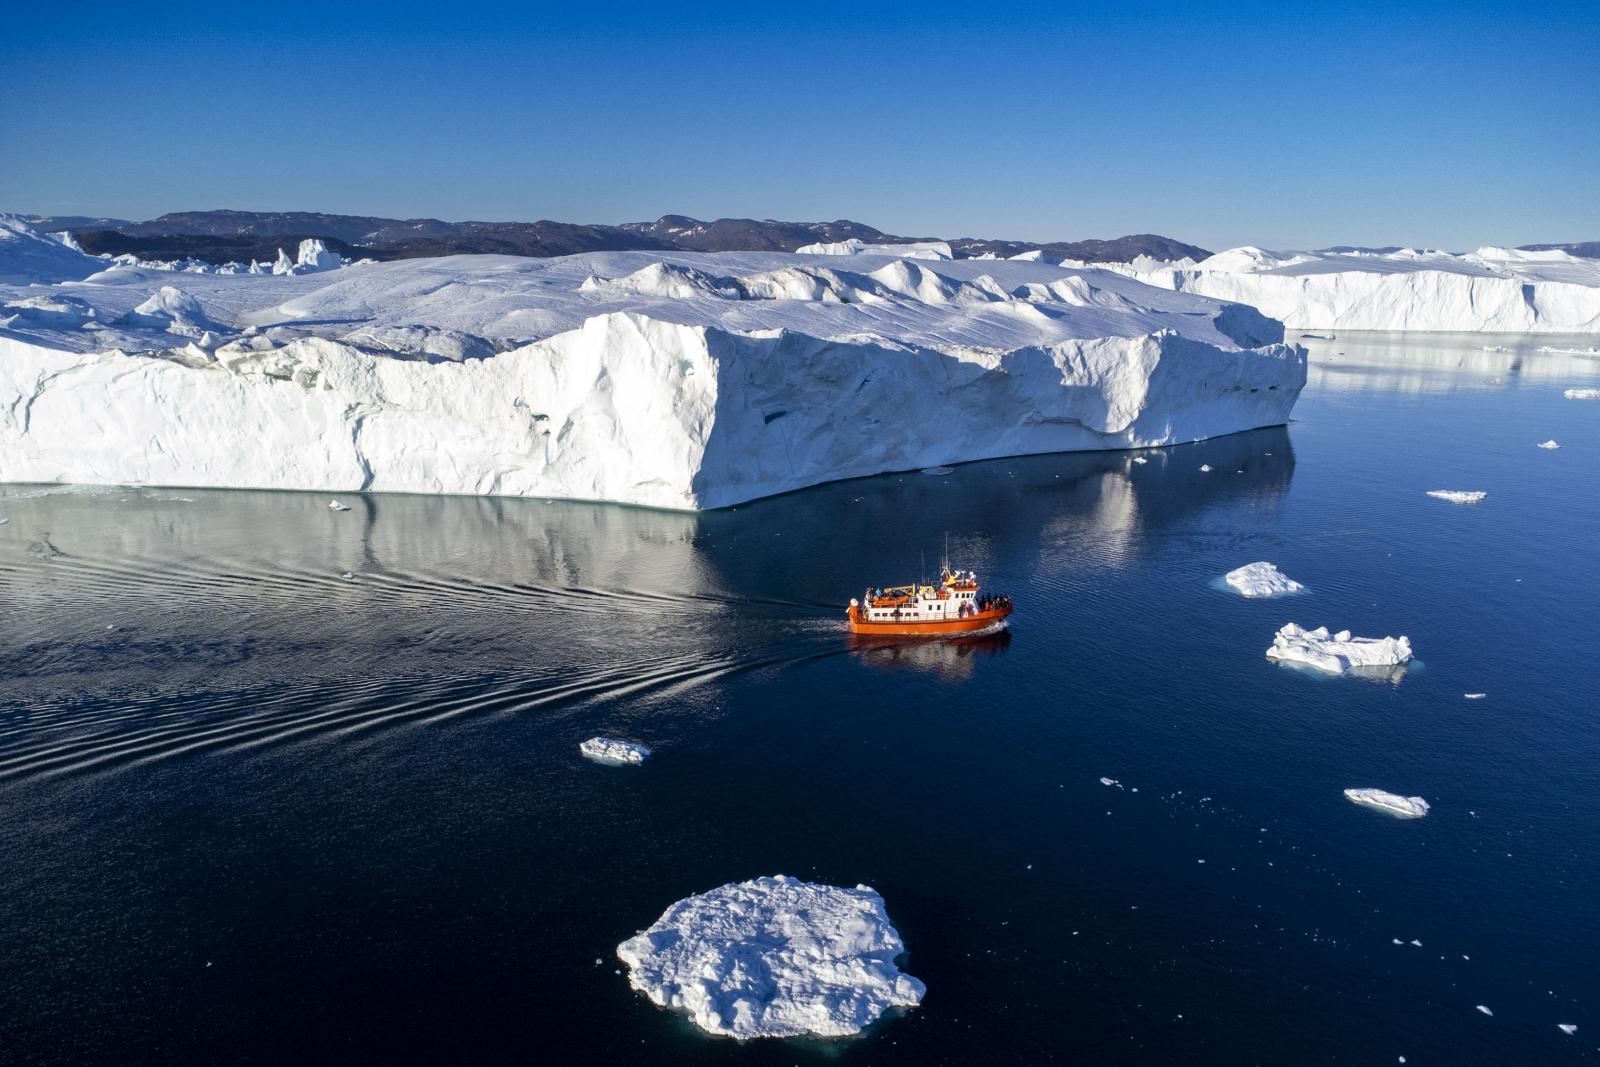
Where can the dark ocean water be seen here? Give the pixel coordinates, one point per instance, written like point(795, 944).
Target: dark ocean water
point(253, 811)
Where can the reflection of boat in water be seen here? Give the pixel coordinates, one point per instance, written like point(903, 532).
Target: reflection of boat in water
point(954, 658)
point(955, 606)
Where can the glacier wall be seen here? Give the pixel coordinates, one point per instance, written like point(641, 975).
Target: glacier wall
point(626, 408)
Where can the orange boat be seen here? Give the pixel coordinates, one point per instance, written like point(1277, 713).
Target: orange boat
point(952, 607)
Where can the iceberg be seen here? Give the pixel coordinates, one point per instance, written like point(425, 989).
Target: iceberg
point(1261, 580)
point(854, 246)
point(1458, 496)
point(1337, 653)
point(612, 751)
point(671, 380)
point(1391, 803)
point(1494, 290)
point(1549, 444)
point(774, 957)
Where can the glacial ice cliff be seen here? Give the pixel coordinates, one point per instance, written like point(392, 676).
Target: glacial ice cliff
point(1498, 290)
point(682, 380)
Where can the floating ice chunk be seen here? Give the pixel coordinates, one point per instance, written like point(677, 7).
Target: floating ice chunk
point(4, 521)
point(1391, 803)
point(1140, 459)
point(1567, 1028)
point(938, 470)
point(1582, 394)
point(1485, 1010)
point(1549, 444)
point(1339, 652)
point(1473, 696)
point(1261, 580)
point(334, 505)
point(612, 751)
point(1111, 781)
point(1205, 468)
point(774, 957)
point(1458, 496)
point(1565, 351)
point(1414, 941)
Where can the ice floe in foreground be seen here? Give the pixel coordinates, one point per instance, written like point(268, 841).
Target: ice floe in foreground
point(610, 750)
point(1337, 653)
point(1549, 444)
point(774, 957)
point(1458, 496)
point(1261, 580)
point(1582, 394)
point(1390, 803)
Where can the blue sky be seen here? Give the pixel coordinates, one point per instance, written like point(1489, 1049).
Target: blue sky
point(1450, 126)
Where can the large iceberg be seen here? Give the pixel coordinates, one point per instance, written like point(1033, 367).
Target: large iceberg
point(1337, 653)
point(1391, 803)
point(774, 957)
point(678, 380)
point(1498, 290)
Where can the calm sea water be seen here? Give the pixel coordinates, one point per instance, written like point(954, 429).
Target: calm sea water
point(254, 810)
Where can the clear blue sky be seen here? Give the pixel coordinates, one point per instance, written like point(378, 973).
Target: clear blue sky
point(1450, 125)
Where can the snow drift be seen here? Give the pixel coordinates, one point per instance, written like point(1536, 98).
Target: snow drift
point(680, 381)
point(774, 957)
point(1493, 289)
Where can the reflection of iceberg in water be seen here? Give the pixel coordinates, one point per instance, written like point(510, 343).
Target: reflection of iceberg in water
point(953, 659)
point(1439, 363)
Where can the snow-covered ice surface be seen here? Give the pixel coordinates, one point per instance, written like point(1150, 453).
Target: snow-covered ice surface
point(611, 750)
point(1498, 290)
point(774, 957)
point(1261, 579)
point(1391, 803)
point(1458, 496)
point(1337, 653)
point(678, 380)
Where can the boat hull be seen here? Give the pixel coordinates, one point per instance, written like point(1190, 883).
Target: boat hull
point(983, 620)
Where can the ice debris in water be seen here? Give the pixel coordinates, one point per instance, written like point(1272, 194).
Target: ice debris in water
point(938, 470)
point(1567, 1028)
point(1140, 459)
point(334, 505)
point(1205, 468)
point(1485, 1009)
point(1473, 696)
point(1458, 496)
point(774, 957)
point(1261, 580)
point(1392, 804)
point(1111, 781)
point(1549, 444)
point(1582, 394)
point(1338, 652)
point(610, 750)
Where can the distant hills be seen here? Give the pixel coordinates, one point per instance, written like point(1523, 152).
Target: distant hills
point(223, 236)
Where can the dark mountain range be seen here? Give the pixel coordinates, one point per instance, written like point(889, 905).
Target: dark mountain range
point(221, 236)
point(1587, 249)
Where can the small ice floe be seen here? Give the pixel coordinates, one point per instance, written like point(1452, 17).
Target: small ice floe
point(1485, 1009)
point(348, 576)
point(1205, 468)
point(1390, 804)
point(1140, 460)
point(1261, 580)
point(1567, 1028)
point(774, 957)
point(1111, 781)
point(1549, 444)
point(937, 471)
point(1473, 696)
point(612, 751)
point(1337, 653)
point(334, 505)
point(1458, 496)
point(1415, 943)
point(1582, 394)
